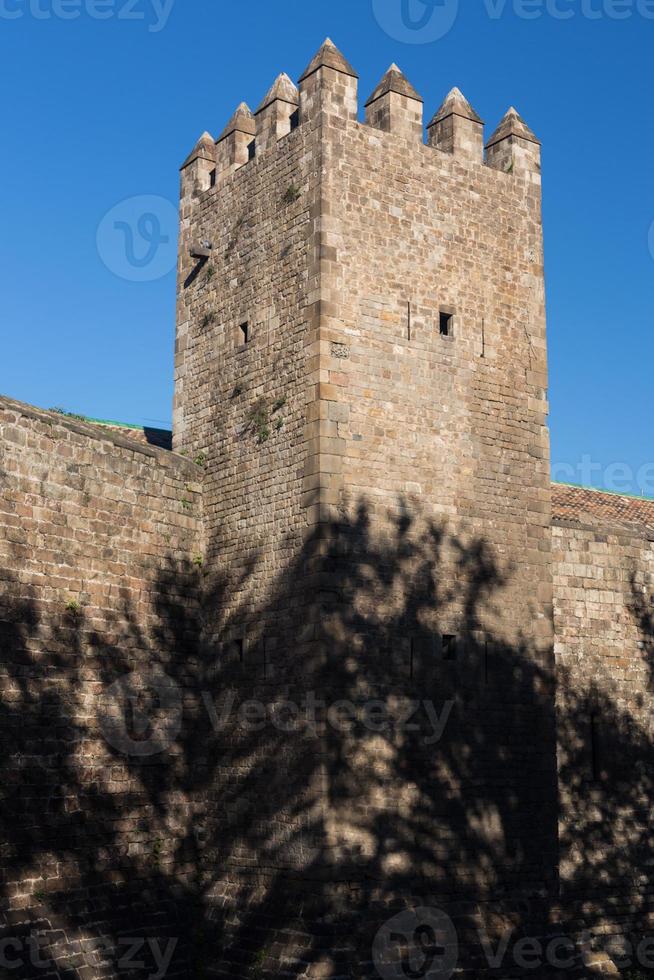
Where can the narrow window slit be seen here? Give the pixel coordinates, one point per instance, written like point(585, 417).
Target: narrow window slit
point(449, 648)
point(595, 748)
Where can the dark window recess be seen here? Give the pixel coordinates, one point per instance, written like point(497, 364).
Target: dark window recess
point(212, 178)
point(245, 332)
point(595, 760)
point(449, 648)
point(446, 324)
point(295, 120)
point(252, 150)
point(239, 646)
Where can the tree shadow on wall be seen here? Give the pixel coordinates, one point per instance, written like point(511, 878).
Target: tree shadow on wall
point(394, 752)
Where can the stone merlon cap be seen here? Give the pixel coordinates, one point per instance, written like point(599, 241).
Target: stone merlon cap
point(283, 90)
point(512, 125)
point(241, 122)
point(394, 81)
point(204, 149)
point(455, 104)
point(329, 57)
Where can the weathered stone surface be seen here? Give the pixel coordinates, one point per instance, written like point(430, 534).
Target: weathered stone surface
point(362, 522)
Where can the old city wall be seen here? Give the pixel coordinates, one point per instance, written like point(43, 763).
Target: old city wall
point(100, 540)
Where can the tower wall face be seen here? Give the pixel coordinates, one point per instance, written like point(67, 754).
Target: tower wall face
point(242, 401)
point(435, 496)
point(377, 507)
point(455, 426)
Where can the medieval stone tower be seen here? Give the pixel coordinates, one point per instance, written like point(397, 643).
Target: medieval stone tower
point(361, 358)
point(283, 703)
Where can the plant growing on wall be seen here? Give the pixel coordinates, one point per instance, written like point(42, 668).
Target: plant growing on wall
point(68, 415)
point(260, 418)
point(292, 194)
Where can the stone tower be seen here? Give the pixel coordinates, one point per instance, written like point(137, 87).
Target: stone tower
point(361, 364)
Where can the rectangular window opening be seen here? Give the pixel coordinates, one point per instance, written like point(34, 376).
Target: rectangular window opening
point(252, 150)
point(449, 648)
point(295, 120)
point(212, 178)
point(446, 324)
point(244, 331)
point(239, 646)
point(595, 749)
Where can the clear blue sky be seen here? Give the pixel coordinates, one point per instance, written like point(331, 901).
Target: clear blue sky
point(97, 111)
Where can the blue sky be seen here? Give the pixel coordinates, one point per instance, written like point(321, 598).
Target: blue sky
point(97, 111)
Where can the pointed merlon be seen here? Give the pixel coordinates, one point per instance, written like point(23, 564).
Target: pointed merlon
point(283, 90)
point(204, 149)
point(455, 104)
point(329, 57)
point(394, 81)
point(241, 122)
point(512, 125)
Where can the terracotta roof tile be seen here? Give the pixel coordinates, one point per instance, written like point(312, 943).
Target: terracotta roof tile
point(596, 507)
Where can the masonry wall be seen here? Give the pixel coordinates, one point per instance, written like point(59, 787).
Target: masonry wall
point(247, 409)
point(604, 595)
point(244, 406)
point(99, 543)
point(436, 453)
point(403, 500)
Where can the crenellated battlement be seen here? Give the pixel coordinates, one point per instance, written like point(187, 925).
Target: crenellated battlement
point(329, 86)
